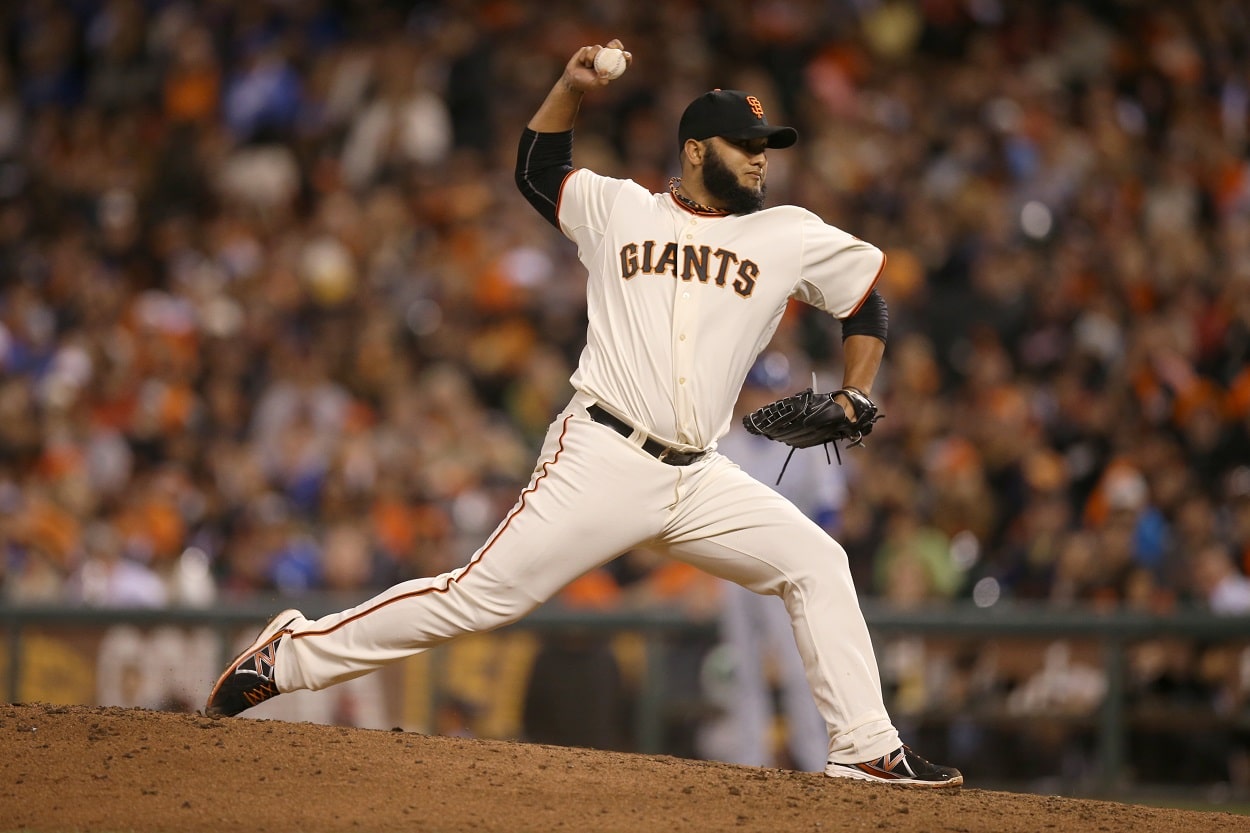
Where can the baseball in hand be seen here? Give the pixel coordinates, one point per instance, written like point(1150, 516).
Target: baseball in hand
point(610, 63)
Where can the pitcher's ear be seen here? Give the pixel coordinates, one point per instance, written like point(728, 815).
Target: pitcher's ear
point(693, 151)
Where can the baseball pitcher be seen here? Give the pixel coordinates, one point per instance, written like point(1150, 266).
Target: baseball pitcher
point(684, 289)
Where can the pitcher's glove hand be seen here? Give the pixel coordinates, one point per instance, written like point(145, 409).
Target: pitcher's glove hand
point(805, 419)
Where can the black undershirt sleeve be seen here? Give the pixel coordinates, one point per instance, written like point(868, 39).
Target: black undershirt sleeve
point(543, 161)
point(871, 319)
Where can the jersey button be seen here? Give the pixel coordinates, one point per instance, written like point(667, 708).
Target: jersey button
point(685, 296)
point(681, 337)
point(682, 380)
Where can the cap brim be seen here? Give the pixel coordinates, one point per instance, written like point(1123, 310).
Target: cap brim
point(778, 137)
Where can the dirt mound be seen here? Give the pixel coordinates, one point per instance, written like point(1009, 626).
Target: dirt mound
point(104, 769)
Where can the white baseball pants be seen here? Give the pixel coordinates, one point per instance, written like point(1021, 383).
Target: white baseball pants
point(593, 495)
point(757, 629)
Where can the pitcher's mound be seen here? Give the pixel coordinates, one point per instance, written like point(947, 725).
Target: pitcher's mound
point(77, 768)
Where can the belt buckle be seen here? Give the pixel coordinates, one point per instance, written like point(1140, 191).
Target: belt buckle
point(673, 457)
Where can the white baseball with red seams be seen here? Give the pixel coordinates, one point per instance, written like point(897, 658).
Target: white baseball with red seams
point(610, 63)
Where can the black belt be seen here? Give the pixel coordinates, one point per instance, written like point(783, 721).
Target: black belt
point(658, 450)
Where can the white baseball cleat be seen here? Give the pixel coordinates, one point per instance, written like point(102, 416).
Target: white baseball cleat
point(902, 767)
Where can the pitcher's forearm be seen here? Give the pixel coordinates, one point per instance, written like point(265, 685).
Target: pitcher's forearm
point(862, 357)
point(558, 112)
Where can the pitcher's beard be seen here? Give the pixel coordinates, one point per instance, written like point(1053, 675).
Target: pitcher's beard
point(726, 192)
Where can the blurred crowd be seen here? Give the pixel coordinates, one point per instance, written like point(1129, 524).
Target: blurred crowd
point(273, 316)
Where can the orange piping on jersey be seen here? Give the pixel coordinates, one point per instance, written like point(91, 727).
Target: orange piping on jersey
point(469, 567)
point(560, 195)
point(871, 286)
point(690, 210)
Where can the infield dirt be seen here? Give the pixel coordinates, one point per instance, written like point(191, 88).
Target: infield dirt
point(108, 770)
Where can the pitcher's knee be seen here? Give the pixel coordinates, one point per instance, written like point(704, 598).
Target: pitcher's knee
point(496, 613)
point(832, 584)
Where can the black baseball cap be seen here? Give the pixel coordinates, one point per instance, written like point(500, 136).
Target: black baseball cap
point(731, 114)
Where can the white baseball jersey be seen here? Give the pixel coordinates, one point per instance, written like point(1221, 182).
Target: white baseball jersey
point(680, 303)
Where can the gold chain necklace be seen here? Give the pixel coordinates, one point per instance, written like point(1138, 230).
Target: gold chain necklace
point(689, 203)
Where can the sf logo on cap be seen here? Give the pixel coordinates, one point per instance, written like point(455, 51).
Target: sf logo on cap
point(756, 107)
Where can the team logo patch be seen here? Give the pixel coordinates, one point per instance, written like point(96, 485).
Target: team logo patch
point(756, 107)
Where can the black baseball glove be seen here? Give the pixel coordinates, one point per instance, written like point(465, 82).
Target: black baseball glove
point(805, 419)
